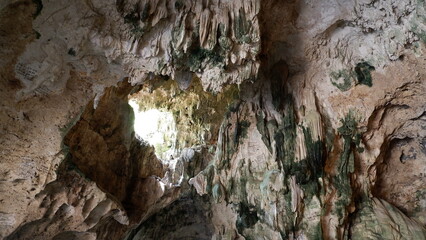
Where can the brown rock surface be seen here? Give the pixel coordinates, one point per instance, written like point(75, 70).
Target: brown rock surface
point(103, 146)
point(314, 126)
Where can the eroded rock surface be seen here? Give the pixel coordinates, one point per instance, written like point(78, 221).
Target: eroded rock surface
point(296, 119)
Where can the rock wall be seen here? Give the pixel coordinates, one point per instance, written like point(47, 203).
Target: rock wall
point(312, 126)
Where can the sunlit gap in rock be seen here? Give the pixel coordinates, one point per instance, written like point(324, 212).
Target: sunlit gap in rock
point(158, 128)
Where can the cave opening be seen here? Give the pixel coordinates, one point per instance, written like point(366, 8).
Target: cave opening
point(157, 127)
point(172, 119)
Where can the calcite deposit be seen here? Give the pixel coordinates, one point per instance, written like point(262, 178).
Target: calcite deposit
point(295, 119)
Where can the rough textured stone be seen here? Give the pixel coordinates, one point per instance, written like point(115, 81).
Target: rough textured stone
point(313, 126)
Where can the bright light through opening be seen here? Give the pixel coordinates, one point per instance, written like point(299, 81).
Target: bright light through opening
point(156, 127)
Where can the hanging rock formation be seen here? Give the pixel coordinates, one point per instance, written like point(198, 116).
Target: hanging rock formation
point(296, 119)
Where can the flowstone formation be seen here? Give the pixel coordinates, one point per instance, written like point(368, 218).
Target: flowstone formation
point(293, 119)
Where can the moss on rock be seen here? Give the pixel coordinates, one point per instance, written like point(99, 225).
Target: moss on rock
point(198, 114)
point(342, 79)
point(363, 73)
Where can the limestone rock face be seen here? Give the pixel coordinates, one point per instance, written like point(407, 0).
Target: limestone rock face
point(296, 119)
point(186, 218)
point(110, 40)
point(67, 209)
point(118, 162)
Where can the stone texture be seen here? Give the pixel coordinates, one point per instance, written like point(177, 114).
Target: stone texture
point(321, 137)
point(103, 146)
point(67, 208)
point(186, 218)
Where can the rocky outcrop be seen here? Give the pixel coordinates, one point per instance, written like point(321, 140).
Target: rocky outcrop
point(71, 207)
point(114, 39)
point(296, 119)
point(103, 146)
point(186, 218)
